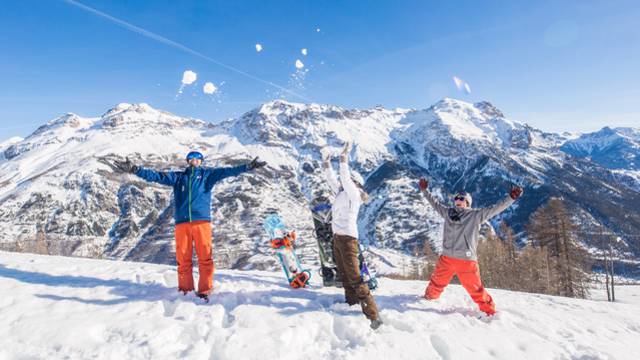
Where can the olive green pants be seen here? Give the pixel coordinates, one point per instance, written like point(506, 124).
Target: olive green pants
point(345, 250)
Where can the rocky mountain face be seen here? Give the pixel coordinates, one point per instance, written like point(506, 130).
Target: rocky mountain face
point(57, 195)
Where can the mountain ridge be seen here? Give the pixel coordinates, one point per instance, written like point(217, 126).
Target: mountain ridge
point(55, 186)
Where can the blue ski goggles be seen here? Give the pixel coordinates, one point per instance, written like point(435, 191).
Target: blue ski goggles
point(195, 155)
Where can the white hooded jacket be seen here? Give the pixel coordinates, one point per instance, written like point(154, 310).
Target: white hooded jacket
point(344, 211)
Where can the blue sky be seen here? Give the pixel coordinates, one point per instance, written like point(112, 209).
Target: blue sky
point(558, 65)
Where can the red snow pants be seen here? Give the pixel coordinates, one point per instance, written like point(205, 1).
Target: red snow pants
point(469, 275)
point(187, 234)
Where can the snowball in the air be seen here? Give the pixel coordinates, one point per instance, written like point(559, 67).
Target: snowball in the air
point(459, 83)
point(258, 47)
point(299, 64)
point(189, 77)
point(304, 52)
point(209, 88)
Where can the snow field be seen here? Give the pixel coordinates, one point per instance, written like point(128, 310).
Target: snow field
point(55, 308)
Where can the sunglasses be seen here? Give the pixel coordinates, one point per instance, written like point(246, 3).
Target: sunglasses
point(459, 198)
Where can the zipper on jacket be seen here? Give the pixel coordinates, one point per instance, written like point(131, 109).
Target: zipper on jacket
point(190, 183)
point(466, 242)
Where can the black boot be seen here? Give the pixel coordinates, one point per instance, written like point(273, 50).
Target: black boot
point(204, 297)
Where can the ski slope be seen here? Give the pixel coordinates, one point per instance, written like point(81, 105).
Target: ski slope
point(71, 308)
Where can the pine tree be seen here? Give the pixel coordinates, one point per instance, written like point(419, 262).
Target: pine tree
point(552, 228)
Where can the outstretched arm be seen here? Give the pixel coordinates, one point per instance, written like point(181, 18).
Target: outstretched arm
point(161, 177)
point(487, 213)
point(218, 174)
point(437, 206)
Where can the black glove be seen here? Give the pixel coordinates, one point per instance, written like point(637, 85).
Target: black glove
point(515, 192)
point(125, 166)
point(255, 164)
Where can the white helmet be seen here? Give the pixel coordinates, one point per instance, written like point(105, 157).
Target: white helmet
point(465, 195)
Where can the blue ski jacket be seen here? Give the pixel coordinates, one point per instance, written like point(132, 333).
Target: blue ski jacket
point(191, 188)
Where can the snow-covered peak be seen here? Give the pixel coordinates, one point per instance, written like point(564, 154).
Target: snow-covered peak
point(457, 127)
point(615, 148)
point(64, 123)
point(140, 108)
point(481, 122)
point(299, 131)
point(7, 144)
point(489, 109)
point(144, 119)
point(602, 139)
point(10, 141)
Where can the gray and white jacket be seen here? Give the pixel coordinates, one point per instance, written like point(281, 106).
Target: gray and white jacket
point(462, 226)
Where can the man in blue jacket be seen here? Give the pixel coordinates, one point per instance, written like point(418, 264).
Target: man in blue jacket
point(192, 189)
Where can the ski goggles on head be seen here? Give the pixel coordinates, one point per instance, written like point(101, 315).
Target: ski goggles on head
point(195, 155)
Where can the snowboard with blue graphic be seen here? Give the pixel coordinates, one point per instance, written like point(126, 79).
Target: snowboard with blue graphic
point(282, 241)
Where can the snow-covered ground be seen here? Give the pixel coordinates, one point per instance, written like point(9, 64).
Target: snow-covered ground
point(70, 308)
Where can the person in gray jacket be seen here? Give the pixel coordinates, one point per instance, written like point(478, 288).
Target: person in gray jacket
point(459, 245)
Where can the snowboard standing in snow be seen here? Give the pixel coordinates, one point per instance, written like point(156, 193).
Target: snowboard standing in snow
point(282, 240)
point(368, 277)
point(321, 210)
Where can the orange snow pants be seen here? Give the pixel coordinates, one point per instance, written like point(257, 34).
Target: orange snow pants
point(198, 232)
point(469, 275)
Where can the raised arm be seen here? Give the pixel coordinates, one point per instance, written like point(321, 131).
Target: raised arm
point(329, 174)
point(437, 206)
point(491, 211)
point(347, 183)
point(345, 175)
point(487, 213)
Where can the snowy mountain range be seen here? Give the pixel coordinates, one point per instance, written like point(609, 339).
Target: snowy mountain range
point(56, 191)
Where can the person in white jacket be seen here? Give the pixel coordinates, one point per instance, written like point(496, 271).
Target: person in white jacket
point(348, 196)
